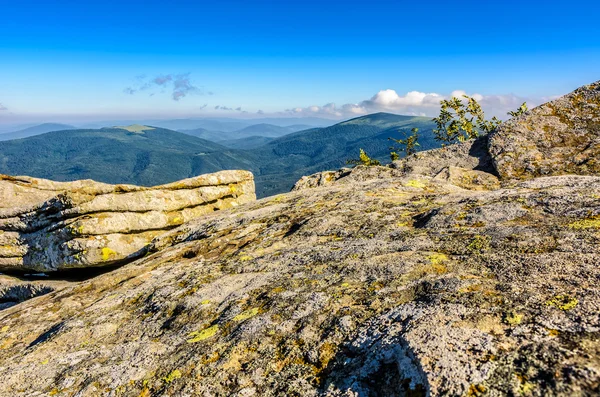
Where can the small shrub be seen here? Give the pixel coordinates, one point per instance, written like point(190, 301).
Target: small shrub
point(410, 144)
point(363, 159)
point(521, 110)
point(462, 119)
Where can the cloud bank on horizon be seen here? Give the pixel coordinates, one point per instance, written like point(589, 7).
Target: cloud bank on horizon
point(415, 103)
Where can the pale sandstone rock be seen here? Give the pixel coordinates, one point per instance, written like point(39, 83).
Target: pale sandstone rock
point(48, 226)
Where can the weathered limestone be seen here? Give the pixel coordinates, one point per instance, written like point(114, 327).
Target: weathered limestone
point(47, 226)
point(559, 137)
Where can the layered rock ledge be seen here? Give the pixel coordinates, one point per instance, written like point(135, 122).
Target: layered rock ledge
point(48, 226)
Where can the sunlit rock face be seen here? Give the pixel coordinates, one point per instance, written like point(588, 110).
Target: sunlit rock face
point(559, 137)
point(47, 226)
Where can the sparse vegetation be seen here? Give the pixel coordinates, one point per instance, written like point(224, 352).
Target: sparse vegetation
point(461, 119)
point(363, 159)
point(521, 110)
point(410, 144)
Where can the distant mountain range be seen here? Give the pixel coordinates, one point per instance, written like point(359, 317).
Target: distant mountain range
point(276, 155)
point(216, 124)
point(238, 137)
point(35, 130)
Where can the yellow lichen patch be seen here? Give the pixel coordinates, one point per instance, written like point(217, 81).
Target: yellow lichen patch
point(513, 318)
point(563, 302)
point(326, 353)
point(438, 263)
point(245, 258)
point(416, 184)
point(199, 336)
point(553, 333)
point(526, 388)
point(107, 253)
point(421, 202)
point(4, 329)
point(175, 374)
point(175, 219)
point(476, 390)
point(593, 223)
point(46, 361)
point(437, 258)
point(145, 392)
point(205, 302)
point(246, 314)
point(277, 199)
point(478, 244)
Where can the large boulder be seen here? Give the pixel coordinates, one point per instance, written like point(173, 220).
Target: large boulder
point(47, 226)
point(559, 137)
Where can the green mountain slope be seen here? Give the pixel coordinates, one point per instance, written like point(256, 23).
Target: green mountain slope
point(283, 161)
point(252, 131)
point(250, 142)
point(115, 155)
point(156, 156)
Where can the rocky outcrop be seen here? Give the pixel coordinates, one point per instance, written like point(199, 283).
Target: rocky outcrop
point(466, 163)
point(47, 226)
point(383, 286)
point(559, 137)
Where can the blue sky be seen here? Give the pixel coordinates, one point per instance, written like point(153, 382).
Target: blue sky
point(74, 60)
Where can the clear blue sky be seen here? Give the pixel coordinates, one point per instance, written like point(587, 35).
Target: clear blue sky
point(68, 59)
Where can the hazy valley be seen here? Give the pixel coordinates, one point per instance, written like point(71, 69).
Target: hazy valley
point(277, 155)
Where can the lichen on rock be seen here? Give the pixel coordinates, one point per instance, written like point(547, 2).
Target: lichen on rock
point(556, 138)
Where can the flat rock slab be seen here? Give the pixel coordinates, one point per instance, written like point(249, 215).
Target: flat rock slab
point(48, 226)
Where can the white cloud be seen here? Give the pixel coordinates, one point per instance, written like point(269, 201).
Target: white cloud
point(327, 110)
point(415, 103)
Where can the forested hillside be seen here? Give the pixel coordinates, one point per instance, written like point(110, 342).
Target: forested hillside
point(157, 155)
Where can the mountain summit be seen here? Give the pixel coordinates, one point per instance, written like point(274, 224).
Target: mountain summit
point(447, 273)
